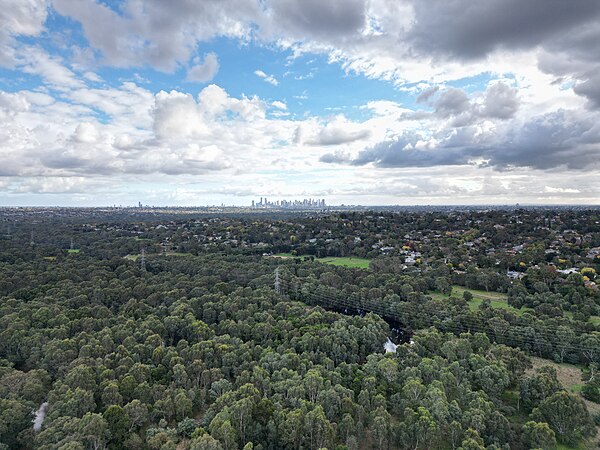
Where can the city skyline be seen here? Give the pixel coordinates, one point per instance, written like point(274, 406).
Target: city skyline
point(359, 102)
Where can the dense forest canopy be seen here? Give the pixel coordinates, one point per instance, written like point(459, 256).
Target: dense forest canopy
point(176, 330)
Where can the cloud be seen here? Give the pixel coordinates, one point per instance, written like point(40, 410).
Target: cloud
point(562, 139)
point(467, 30)
point(452, 101)
point(204, 71)
point(335, 132)
point(279, 105)
point(12, 104)
point(590, 88)
point(19, 18)
point(268, 78)
point(315, 18)
point(156, 33)
point(127, 130)
point(498, 102)
point(51, 69)
point(427, 93)
point(85, 133)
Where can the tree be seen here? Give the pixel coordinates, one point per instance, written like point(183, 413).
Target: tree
point(538, 435)
point(221, 429)
point(186, 427)
point(118, 422)
point(381, 428)
point(317, 428)
point(539, 387)
point(94, 430)
point(205, 442)
point(472, 441)
point(419, 429)
point(567, 415)
point(443, 285)
point(137, 412)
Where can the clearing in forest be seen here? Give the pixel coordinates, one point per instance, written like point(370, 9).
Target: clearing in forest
point(345, 261)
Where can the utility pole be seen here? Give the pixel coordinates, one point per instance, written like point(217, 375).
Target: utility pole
point(277, 282)
point(143, 261)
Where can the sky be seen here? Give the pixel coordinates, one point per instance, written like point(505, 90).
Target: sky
point(371, 102)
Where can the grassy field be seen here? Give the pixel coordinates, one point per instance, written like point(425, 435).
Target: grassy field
point(132, 257)
point(73, 250)
point(345, 261)
point(497, 299)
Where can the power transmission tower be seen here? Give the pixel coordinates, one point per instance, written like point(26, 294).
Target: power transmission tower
point(71, 243)
point(8, 232)
point(143, 261)
point(277, 282)
point(32, 241)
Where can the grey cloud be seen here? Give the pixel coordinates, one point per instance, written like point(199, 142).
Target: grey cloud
point(559, 139)
point(426, 94)
point(452, 101)
point(318, 18)
point(332, 135)
point(157, 32)
point(567, 32)
point(468, 29)
point(500, 102)
point(335, 158)
point(590, 88)
point(403, 153)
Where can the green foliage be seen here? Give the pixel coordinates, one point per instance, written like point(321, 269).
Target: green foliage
point(539, 387)
point(539, 435)
point(139, 360)
point(567, 415)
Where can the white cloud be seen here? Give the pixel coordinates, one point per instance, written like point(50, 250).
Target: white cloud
point(19, 18)
point(156, 33)
point(205, 71)
point(530, 119)
point(268, 78)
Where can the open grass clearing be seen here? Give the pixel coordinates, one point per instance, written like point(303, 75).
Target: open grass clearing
point(345, 261)
point(497, 299)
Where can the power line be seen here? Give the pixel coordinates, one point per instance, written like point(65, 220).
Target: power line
point(277, 281)
point(471, 324)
